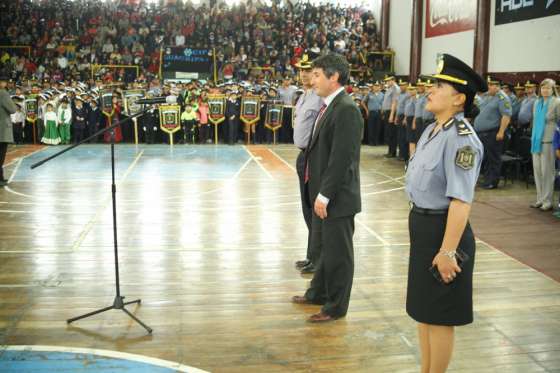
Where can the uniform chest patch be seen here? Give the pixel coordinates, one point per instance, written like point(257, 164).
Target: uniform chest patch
point(465, 158)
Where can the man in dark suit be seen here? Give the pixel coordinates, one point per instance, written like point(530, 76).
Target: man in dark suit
point(7, 107)
point(332, 180)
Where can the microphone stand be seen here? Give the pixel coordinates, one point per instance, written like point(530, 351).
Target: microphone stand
point(118, 302)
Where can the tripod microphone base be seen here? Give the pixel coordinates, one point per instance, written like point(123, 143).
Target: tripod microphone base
point(118, 304)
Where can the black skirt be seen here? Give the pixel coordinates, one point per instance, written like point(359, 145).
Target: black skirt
point(429, 301)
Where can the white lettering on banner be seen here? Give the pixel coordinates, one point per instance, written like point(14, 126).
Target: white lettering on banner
point(443, 12)
point(515, 4)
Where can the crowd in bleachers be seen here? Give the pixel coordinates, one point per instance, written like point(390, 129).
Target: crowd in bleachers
point(67, 37)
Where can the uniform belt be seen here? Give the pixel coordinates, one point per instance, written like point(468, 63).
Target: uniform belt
point(490, 130)
point(422, 211)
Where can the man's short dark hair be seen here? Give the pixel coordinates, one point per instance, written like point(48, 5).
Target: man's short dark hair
point(333, 63)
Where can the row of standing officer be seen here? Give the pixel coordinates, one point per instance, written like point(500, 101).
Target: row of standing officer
point(397, 117)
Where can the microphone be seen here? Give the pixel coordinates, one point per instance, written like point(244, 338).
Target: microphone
point(157, 100)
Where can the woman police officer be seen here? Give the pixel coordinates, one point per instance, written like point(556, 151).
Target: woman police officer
point(440, 182)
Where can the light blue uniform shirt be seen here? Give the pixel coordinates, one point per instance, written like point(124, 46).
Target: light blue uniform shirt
point(444, 167)
point(287, 94)
point(374, 101)
point(480, 101)
point(515, 105)
point(401, 102)
point(526, 110)
point(307, 108)
point(491, 112)
point(420, 105)
point(410, 106)
point(391, 95)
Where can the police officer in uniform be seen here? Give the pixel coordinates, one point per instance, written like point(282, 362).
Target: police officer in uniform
point(307, 107)
point(417, 123)
point(490, 125)
point(409, 110)
point(525, 116)
point(287, 94)
point(388, 112)
point(374, 100)
point(440, 182)
point(519, 95)
point(400, 121)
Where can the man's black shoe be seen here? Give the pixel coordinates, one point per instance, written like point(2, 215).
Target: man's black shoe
point(489, 186)
point(310, 268)
point(3, 183)
point(302, 263)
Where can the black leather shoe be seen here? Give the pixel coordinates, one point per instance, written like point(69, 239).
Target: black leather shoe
point(310, 268)
point(489, 186)
point(302, 263)
point(298, 299)
point(390, 156)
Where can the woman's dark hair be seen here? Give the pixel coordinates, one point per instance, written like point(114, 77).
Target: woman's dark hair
point(333, 63)
point(469, 94)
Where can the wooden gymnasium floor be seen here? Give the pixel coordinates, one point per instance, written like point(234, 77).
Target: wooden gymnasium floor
point(208, 237)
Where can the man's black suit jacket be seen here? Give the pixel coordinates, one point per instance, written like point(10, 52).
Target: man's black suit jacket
point(333, 157)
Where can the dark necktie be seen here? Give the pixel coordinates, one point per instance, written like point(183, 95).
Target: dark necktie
point(313, 130)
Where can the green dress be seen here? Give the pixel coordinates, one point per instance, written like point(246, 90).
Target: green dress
point(51, 136)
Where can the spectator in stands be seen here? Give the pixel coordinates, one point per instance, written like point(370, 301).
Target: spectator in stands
point(110, 30)
point(546, 114)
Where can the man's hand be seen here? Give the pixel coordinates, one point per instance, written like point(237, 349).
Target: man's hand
point(500, 136)
point(558, 153)
point(320, 209)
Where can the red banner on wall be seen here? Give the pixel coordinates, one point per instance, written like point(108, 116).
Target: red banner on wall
point(449, 16)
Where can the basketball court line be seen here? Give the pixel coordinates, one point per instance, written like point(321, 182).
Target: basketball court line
point(360, 278)
point(9, 163)
point(399, 180)
point(258, 162)
point(392, 180)
point(382, 191)
point(15, 170)
point(372, 232)
point(369, 230)
point(239, 171)
point(104, 205)
point(395, 179)
point(106, 353)
point(133, 249)
point(283, 160)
